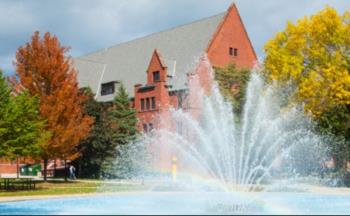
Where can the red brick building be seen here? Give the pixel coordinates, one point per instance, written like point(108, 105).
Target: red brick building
point(155, 68)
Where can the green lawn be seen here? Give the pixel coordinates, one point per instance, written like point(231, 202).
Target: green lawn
point(76, 187)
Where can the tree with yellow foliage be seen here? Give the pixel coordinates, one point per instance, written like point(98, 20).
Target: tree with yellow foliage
point(313, 56)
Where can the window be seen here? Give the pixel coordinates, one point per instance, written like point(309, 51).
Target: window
point(150, 127)
point(142, 104)
point(233, 51)
point(147, 104)
point(145, 129)
point(107, 88)
point(156, 76)
point(153, 103)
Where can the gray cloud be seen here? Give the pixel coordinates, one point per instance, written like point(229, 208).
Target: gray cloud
point(89, 25)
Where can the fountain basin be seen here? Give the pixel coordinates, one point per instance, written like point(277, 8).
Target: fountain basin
point(186, 203)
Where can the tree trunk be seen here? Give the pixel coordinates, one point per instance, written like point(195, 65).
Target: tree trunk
point(338, 163)
point(45, 169)
point(17, 161)
point(54, 168)
point(65, 170)
point(79, 168)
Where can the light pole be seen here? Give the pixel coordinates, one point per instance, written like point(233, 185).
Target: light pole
point(174, 168)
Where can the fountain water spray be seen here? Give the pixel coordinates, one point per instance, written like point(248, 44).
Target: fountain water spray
point(268, 140)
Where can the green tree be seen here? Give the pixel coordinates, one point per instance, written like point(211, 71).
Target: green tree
point(4, 91)
point(21, 129)
point(123, 118)
point(99, 146)
point(232, 83)
point(336, 121)
point(4, 101)
point(110, 149)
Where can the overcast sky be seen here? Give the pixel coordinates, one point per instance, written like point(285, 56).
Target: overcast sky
point(89, 25)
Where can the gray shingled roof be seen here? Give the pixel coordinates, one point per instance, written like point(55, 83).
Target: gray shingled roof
point(179, 47)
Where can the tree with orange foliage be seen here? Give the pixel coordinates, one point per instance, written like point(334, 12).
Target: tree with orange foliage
point(47, 73)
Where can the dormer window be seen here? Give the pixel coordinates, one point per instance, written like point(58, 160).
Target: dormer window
point(233, 51)
point(156, 76)
point(107, 88)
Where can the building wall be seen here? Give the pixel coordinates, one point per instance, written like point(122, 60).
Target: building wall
point(7, 168)
point(230, 33)
point(153, 89)
point(10, 167)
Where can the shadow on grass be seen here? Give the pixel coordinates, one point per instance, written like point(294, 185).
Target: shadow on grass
point(56, 182)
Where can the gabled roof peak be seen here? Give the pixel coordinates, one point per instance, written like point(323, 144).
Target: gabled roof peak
point(157, 54)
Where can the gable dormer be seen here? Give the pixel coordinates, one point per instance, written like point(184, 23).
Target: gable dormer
point(157, 70)
point(230, 43)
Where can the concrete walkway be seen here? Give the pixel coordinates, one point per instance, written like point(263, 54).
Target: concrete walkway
point(329, 190)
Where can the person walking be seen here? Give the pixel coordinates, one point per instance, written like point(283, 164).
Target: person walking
point(72, 172)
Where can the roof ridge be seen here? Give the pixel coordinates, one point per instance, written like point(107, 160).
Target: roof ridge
point(152, 34)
